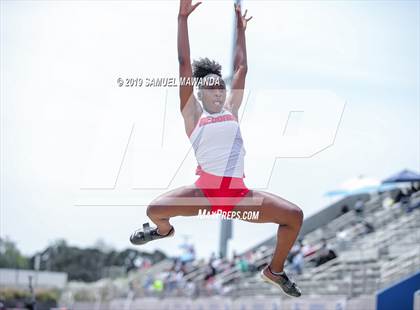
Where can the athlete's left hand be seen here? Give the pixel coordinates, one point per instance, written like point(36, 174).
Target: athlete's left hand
point(241, 20)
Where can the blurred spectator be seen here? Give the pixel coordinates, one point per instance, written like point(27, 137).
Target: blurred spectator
point(401, 195)
point(242, 264)
point(170, 282)
point(188, 254)
point(212, 257)
point(211, 270)
point(324, 254)
point(250, 257)
point(368, 227)
point(158, 286)
point(297, 261)
point(414, 204)
point(308, 250)
point(342, 239)
point(387, 202)
point(294, 250)
point(357, 229)
point(145, 263)
point(415, 187)
point(191, 289)
point(212, 286)
point(359, 207)
point(344, 209)
point(148, 284)
point(234, 255)
point(259, 252)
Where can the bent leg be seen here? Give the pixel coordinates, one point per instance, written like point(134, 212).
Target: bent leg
point(274, 209)
point(182, 201)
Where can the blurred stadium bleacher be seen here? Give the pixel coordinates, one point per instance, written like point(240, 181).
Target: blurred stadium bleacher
point(381, 247)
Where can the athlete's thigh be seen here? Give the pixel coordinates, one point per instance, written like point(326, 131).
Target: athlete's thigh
point(271, 208)
point(184, 200)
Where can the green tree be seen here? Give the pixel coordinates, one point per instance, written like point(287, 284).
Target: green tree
point(10, 256)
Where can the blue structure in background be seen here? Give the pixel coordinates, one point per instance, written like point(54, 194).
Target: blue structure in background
point(400, 295)
point(403, 176)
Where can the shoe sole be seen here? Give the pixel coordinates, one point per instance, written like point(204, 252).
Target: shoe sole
point(267, 279)
point(168, 236)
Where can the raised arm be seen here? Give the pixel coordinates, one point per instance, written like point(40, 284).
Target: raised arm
point(189, 106)
point(240, 65)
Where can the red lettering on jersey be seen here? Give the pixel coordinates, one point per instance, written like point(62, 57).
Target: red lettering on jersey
point(222, 118)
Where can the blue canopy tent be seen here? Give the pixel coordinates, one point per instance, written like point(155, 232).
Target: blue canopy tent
point(403, 176)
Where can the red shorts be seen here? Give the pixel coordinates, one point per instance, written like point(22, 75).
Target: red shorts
point(222, 192)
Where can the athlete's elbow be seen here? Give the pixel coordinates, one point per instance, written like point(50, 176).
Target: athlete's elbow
point(242, 69)
point(181, 60)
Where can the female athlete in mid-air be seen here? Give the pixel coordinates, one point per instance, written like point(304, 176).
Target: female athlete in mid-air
point(211, 123)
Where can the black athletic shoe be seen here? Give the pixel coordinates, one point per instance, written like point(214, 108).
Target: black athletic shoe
point(282, 281)
point(142, 236)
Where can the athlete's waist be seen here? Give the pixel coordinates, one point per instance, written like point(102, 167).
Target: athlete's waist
point(232, 173)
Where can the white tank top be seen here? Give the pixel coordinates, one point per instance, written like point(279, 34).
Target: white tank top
point(218, 144)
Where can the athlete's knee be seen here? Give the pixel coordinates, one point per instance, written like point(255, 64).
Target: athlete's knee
point(155, 208)
point(150, 211)
point(289, 214)
point(297, 215)
point(294, 215)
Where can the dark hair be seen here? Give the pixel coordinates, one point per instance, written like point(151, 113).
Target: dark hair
point(205, 66)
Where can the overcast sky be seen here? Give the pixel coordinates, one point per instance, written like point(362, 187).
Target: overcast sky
point(332, 87)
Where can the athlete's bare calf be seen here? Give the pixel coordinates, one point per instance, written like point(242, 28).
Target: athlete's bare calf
point(274, 209)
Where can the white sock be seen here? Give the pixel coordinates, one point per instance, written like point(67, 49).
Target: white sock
point(276, 273)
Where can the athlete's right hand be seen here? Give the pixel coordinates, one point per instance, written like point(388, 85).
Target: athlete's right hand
point(186, 8)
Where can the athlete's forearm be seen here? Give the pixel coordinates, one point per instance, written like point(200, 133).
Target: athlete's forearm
point(185, 69)
point(183, 41)
point(240, 60)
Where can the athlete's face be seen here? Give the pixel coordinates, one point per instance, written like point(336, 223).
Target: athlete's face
point(213, 93)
